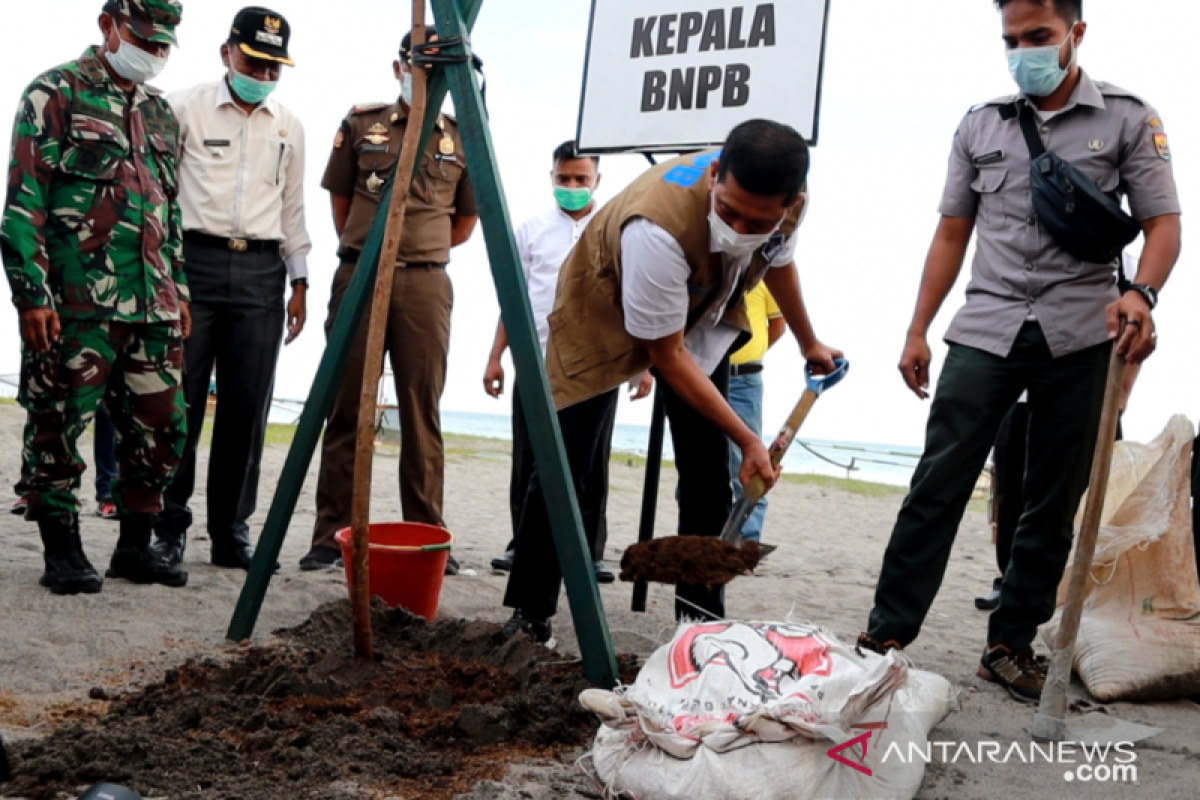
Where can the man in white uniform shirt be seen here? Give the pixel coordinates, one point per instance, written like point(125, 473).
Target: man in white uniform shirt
point(241, 192)
point(544, 242)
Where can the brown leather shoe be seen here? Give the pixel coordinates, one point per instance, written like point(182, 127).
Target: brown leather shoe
point(879, 648)
point(1021, 673)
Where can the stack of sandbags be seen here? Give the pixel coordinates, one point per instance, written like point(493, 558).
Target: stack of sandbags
point(1139, 638)
point(727, 711)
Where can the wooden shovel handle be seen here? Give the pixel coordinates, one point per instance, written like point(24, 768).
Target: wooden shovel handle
point(1053, 706)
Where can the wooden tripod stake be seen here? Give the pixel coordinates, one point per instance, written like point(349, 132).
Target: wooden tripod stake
point(360, 514)
point(1049, 723)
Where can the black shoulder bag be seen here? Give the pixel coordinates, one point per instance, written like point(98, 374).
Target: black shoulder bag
point(1084, 221)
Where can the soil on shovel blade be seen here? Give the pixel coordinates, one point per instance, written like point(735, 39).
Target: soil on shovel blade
point(444, 706)
point(698, 560)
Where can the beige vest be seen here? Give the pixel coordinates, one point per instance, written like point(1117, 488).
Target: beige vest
point(589, 351)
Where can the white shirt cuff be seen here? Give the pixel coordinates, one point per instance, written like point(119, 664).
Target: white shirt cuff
point(297, 267)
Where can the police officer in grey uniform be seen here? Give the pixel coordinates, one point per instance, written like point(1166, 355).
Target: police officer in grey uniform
point(1036, 319)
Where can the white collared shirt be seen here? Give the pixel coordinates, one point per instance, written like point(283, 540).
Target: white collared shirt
point(654, 291)
point(241, 175)
point(544, 243)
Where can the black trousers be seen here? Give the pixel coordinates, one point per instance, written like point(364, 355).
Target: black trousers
point(593, 503)
point(238, 317)
point(705, 499)
point(1196, 500)
point(1008, 481)
point(976, 390)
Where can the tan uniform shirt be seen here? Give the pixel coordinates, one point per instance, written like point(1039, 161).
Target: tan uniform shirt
point(364, 153)
point(241, 176)
point(1019, 272)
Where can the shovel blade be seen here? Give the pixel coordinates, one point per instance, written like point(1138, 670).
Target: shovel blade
point(695, 560)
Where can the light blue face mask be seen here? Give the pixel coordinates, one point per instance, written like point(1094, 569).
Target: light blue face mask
point(1036, 69)
point(250, 90)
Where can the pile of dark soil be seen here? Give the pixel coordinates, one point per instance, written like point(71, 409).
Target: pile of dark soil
point(445, 705)
point(698, 560)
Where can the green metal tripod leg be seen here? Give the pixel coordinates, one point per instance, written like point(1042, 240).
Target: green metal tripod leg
point(325, 386)
point(591, 626)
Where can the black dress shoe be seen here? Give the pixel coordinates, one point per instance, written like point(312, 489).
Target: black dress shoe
point(603, 573)
point(989, 602)
point(170, 549)
point(504, 563)
point(240, 557)
point(452, 566)
point(321, 558)
point(539, 630)
point(140, 565)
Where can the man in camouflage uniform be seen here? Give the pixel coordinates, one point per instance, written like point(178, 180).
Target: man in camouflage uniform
point(91, 245)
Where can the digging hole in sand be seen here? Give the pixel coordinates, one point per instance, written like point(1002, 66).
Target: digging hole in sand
point(445, 705)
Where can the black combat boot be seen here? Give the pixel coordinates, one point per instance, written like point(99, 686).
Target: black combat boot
point(67, 569)
point(170, 546)
point(133, 559)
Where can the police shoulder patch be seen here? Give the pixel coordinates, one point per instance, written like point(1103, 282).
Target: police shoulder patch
point(1162, 146)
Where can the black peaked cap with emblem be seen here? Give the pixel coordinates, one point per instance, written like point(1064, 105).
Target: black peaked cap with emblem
point(262, 33)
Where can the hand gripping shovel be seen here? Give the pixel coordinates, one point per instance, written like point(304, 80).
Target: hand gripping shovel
point(717, 561)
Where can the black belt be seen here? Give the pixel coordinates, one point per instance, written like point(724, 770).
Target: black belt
point(753, 368)
point(351, 257)
point(236, 245)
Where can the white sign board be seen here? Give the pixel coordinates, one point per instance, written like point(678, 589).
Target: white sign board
point(681, 74)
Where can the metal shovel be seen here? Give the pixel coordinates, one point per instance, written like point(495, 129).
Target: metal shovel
point(716, 561)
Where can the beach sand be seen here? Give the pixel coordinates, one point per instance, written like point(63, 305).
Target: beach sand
point(831, 537)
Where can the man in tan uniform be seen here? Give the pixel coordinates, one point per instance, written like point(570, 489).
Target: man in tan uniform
point(441, 215)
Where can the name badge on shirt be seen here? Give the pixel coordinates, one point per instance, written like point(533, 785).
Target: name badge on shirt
point(214, 146)
point(374, 148)
point(989, 158)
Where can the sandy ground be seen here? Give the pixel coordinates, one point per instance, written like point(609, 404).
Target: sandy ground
point(55, 650)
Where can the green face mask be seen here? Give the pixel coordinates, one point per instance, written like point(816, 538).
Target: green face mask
point(572, 199)
point(248, 89)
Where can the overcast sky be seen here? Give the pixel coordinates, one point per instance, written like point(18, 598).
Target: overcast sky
point(900, 74)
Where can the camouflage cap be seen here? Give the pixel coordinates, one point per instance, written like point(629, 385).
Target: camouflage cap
point(151, 20)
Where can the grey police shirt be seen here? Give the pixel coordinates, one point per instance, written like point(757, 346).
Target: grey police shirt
point(1019, 272)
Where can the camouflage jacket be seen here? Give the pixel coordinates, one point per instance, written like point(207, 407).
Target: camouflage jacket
point(91, 223)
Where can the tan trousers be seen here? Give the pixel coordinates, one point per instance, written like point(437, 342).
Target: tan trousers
point(418, 339)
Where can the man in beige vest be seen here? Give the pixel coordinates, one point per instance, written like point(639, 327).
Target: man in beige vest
point(657, 281)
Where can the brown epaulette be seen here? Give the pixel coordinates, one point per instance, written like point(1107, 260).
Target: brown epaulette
point(367, 108)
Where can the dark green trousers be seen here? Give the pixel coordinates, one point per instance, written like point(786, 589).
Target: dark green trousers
point(975, 391)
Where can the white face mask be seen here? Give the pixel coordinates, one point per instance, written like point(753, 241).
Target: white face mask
point(406, 88)
point(732, 243)
point(134, 64)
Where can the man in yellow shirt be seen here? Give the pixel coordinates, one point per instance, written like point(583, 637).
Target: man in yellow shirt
point(746, 386)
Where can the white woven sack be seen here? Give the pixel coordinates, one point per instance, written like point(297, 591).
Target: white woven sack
point(1139, 638)
point(750, 710)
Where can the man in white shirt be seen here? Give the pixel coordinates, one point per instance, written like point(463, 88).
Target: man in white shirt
point(544, 242)
point(241, 193)
point(658, 280)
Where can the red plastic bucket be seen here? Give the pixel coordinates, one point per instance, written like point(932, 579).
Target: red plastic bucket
point(407, 564)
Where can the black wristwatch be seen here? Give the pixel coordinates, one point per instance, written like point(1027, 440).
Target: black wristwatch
point(1148, 293)
point(300, 282)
